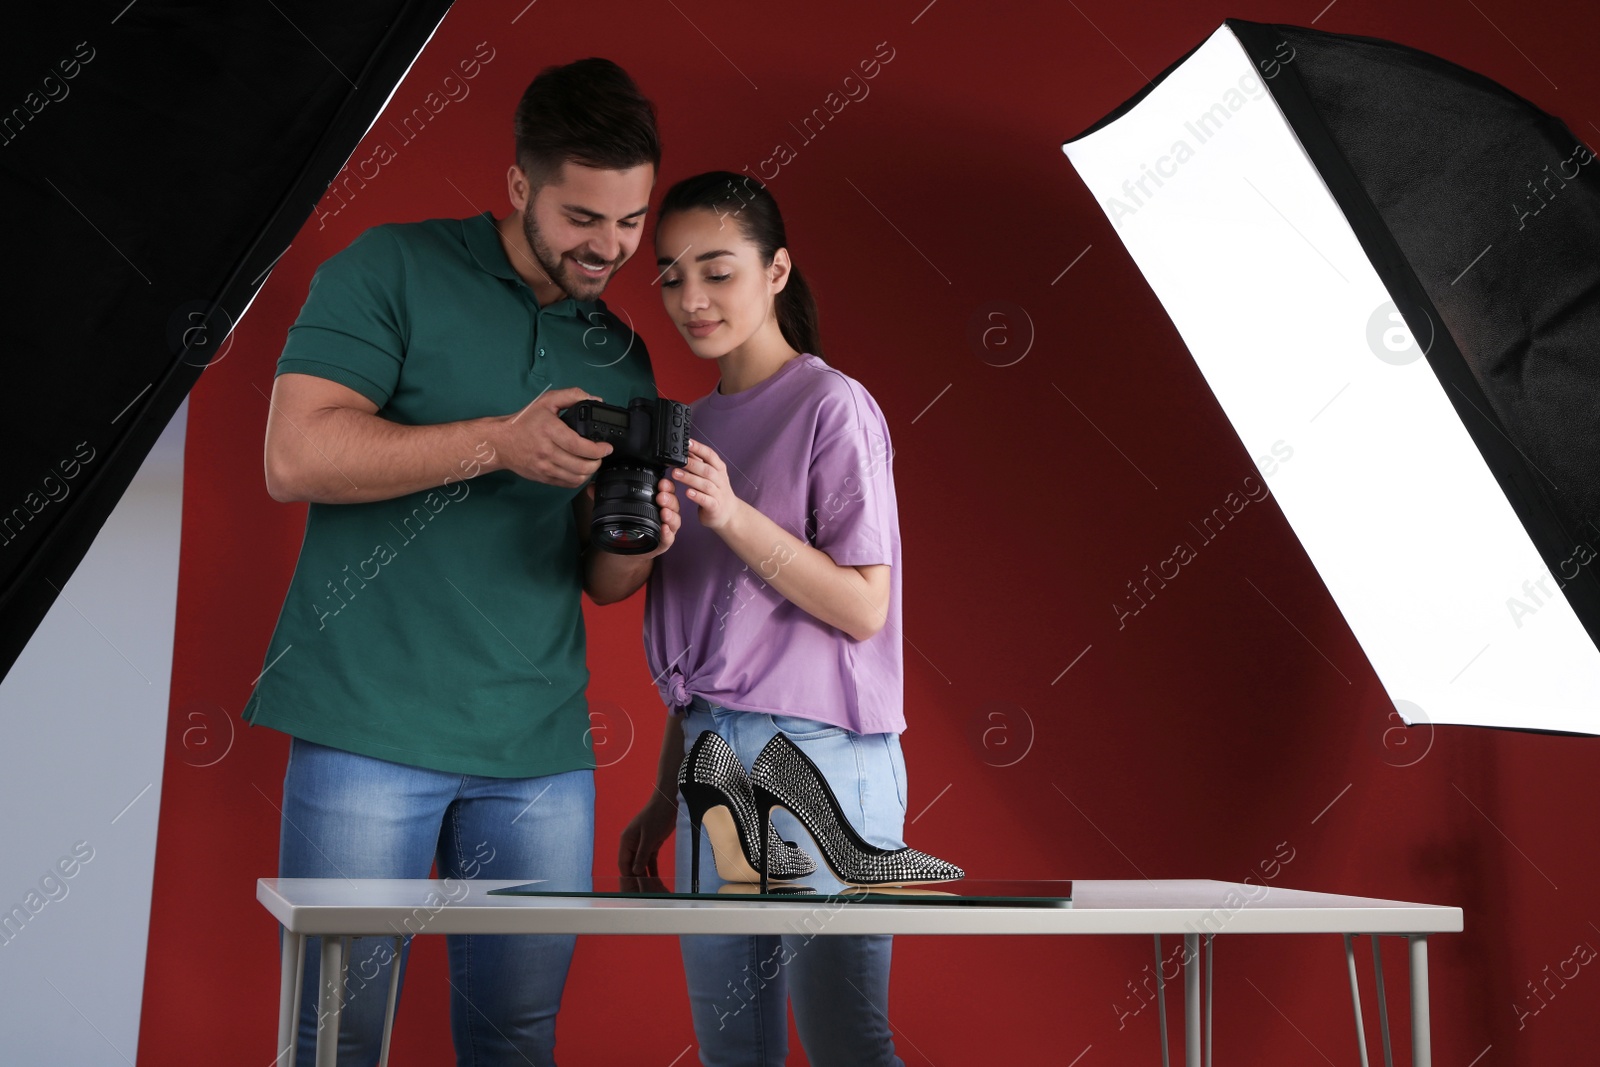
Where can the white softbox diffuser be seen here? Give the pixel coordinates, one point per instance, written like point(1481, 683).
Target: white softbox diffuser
point(1238, 233)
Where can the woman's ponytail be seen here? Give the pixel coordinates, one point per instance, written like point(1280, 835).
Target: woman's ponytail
point(797, 314)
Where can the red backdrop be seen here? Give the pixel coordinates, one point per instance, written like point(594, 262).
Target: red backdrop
point(1231, 727)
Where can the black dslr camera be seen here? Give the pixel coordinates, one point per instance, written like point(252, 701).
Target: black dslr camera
point(646, 438)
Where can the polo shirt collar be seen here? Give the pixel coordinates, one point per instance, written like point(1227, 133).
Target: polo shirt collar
point(483, 241)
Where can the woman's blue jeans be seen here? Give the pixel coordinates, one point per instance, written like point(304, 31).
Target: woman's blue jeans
point(739, 986)
point(350, 816)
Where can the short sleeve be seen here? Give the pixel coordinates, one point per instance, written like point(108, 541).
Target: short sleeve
point(351, 329)
point(850, 488)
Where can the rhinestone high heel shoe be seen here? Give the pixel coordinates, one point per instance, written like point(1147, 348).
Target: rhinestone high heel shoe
point(717, 790)
point(784, 777)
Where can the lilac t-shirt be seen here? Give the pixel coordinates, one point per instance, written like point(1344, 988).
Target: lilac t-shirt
point(809, 449)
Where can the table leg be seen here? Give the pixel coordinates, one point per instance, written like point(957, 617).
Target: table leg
point(1421, 1043)
point(1161, 1005)
point(294, 947)
point(1191, 1000)
point(1383, 1003)
point(330, 1000)
point(1355, 996)
point(388, 1006)
point(1211, 985)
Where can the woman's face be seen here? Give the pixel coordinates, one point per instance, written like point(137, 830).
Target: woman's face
point(713, 284)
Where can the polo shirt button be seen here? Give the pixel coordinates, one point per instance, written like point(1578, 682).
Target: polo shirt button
point(541, 351)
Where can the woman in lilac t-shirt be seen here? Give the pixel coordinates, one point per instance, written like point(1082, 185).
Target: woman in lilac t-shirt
point(776, 609)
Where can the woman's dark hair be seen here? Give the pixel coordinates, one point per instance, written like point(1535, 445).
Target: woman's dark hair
point(587, 112)
point(748, 203)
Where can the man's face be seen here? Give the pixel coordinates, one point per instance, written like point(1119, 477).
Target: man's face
point(585, 223)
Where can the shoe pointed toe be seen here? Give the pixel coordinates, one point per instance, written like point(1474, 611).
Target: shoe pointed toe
point(784, 776)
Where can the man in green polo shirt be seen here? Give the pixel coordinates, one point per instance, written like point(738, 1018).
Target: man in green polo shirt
point(429, 658)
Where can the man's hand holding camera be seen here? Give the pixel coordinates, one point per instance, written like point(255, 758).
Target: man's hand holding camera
point(537, 445)
point(628, 513)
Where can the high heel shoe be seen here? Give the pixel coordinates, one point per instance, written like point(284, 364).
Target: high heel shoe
point(717, 790)
point(784, 777)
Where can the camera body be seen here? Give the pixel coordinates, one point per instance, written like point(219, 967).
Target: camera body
point(647, 437)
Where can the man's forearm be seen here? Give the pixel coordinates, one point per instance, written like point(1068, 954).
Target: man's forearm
point(341, 456)
point(609, 577)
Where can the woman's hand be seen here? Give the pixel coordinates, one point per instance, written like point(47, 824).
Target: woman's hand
point(671, 516)
point(643, 837)
point(706, 483)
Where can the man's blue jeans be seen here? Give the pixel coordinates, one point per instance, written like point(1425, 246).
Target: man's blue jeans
point(739, 985)
point(350, 816)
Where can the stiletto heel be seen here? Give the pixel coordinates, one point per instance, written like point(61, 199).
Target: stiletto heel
point(694, 849)
point(764, 815)
point(717, 791)
point(784, 777)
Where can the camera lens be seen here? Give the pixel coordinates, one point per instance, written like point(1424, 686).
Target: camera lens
point(626, 519)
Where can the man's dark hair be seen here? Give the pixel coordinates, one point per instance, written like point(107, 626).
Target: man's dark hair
point(587, 112)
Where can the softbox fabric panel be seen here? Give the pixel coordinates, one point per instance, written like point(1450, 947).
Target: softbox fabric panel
point(1388, 261)
point(156, 158)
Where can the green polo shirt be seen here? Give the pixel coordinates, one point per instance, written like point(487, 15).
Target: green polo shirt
point(443, 629)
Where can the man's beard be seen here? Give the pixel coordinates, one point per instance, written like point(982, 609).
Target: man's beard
point(557, 269)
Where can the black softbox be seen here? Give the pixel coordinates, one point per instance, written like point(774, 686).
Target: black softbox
point(156, 158)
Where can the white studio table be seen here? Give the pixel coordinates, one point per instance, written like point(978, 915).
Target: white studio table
point(338, 909)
